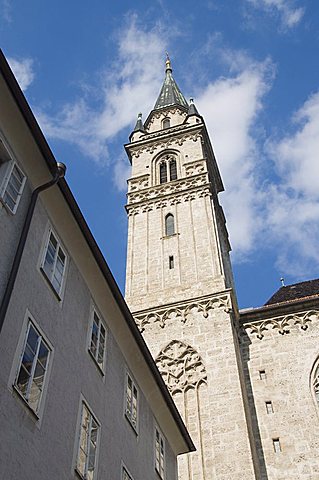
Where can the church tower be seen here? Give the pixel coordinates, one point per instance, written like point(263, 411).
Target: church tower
point(179, 284)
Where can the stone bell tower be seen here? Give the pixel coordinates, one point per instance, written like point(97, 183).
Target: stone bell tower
point(179, 283)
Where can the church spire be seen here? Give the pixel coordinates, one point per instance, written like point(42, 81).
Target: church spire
point(170, 94)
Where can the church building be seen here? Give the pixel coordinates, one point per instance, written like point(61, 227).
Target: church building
point(245, 382)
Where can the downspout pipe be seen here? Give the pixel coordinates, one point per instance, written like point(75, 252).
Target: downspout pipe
point(60, 172)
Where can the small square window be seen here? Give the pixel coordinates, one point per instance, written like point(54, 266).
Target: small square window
point(262, 374)
point(86, 464)
point(97, 340)
point(276, 445)
point(159, 453)
point(269, 407)
point(131, 402)
point(54, 262)
point(33, 366)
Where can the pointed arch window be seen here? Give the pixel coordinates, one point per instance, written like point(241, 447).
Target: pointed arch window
point(167, 169)
point(169, 225)
point(166, 123)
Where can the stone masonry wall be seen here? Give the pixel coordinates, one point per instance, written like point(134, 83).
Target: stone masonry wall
point(279, 355)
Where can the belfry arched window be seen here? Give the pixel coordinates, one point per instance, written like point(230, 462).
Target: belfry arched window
point(166, 123)
point(169, 225)
point(167, 169)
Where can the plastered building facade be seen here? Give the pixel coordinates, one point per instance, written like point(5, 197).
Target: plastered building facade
point(80, 395)
point(246, 383)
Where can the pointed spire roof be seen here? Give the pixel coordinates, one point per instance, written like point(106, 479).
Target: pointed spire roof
point(192, 110)
point(170, 94)
point(139, 127)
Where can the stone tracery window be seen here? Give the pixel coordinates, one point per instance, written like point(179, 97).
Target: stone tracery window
point(167, 169)
point(181, 367)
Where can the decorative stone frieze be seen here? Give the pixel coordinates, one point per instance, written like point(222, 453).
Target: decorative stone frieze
point(168, 188)
point(162, 144)
point(138, 183)
point(282, 324)
point(195, 168)
point(181, 311)
point(181, 367)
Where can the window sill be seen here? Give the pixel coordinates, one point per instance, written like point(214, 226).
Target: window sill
point(100, 369)
point(26, 404)
point(50, 285)
point(170, 236)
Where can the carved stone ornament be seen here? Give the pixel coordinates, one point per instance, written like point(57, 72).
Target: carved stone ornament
point(177, 198)
point(138, 183)
point(195, 168)
point(180, 312)
point(168, 188)
point(282, 324)
point(162, 144)
point(181, 367)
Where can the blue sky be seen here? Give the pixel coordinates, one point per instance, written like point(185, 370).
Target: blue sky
point(88, 68)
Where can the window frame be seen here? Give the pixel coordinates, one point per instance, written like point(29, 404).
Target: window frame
point(95, 313)
point(7, 167)
point(84, 404)
point(28, 322)
point(50, 231)
point(128, 413)
point(161, 469)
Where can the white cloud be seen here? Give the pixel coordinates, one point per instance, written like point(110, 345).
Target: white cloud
point(230, 107)
point(23, 71)
point(293, 207)
point(129, 86)
point(289, 14)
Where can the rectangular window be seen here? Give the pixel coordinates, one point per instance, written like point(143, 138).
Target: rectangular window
point(262, 374)
point(97, 341)
point(87, 453)
point(54, 262)
point(159, 453)
point(276, 444)
point(126, 475)
point(12, 180)
point(131, 404)
point(269, 407)
point(171, 262)
point(33, 366)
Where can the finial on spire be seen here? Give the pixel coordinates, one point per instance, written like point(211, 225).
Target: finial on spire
point(168, 63)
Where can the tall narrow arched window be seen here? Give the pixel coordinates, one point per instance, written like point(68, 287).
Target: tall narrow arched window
point(169, 225)
point(172, 170)
point(163, 172)
point(166, 123)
